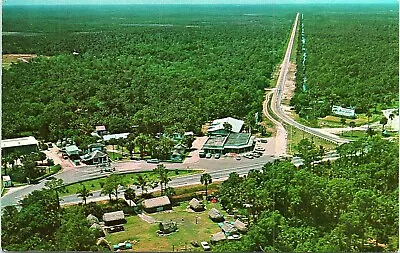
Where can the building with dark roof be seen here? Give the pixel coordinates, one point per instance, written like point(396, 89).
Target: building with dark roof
point(24, 145)
point(231, 143)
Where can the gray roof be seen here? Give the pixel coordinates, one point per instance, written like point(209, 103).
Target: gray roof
point(157, 202)
point(220, 236)
point(18, 142)
point(113, 216)
point(195, 204)
point(240, 226)
point(218, 124)
point(215, 214)
point(94, 154)
point(228, 228)
point(92, 219)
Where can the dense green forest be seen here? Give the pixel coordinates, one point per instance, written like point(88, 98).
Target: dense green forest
point(344, 206)
point(351, 59)
point(158, 67)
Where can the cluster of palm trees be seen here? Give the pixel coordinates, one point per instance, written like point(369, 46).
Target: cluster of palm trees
point(115, 182)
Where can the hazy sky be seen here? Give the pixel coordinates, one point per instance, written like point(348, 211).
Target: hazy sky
point(41, 2)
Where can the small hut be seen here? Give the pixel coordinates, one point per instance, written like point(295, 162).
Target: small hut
point(114, 218)
point(220, 236)
point(92, 219)
point(7, 181)
point(240, 226)
point(196, 205)
point(167, 227)
point(228, 228)
point(215, 215)
point(157, 204)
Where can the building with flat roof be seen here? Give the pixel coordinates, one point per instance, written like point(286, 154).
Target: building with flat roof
point(115, 136)
point(23, 145)
point(231, 143)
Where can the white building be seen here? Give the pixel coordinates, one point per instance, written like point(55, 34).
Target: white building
point(217, 126)
point(393, 124)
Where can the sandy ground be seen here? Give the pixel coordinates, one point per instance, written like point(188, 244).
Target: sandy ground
point(54, 153)
point(8, 58)
point(194, 155)
point(289, 85)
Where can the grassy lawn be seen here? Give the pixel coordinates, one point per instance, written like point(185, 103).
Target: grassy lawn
point(148, 240)
point(114, 156)
point(95, 184)
point(334, 121)
point(354, 135)
point(295, 136)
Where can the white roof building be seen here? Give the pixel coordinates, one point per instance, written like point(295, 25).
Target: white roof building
point(108, 137)
point(19, 142)
point(218, 124)
point(392, 123)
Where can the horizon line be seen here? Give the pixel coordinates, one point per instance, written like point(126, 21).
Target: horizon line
point(237, 4)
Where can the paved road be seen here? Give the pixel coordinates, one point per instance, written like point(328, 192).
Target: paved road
point(218, 175)
point(219, 169)
point(277, 98)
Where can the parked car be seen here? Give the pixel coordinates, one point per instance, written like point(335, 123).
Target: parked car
point(205, 246)
point(153, 161)
point(50, 145)
point(202, 154)
point(259, 149)
point(217, 156)
point(234, 237)
point(256, 154)
point(238, 158)
point(208, 155)
point(248, 156)
point(263, 140)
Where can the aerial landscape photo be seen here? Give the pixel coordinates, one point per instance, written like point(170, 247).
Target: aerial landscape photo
point(200, 125)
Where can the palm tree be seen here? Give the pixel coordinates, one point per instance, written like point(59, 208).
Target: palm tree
point(227, 127)
point(56, 185)
point(160, 170)
point(162, 176)
point(130, 195)
point(143, 183)
point(84, 193)
point(369, 115)
point(206, 180)
point(142, 141)
point(352, 125)
point(383, 121)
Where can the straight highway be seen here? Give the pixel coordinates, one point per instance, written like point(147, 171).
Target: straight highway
point(276, 100)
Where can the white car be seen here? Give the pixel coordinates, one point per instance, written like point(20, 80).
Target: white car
point(205, 246)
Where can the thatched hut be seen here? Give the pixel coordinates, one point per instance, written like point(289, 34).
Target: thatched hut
point(157, 204)
point(220, 236)
point(114, 218)
point(92, 219)
point(239, 225)
point(196, 205)
point(215, 215)
point(167, 227)
point(228, 228)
